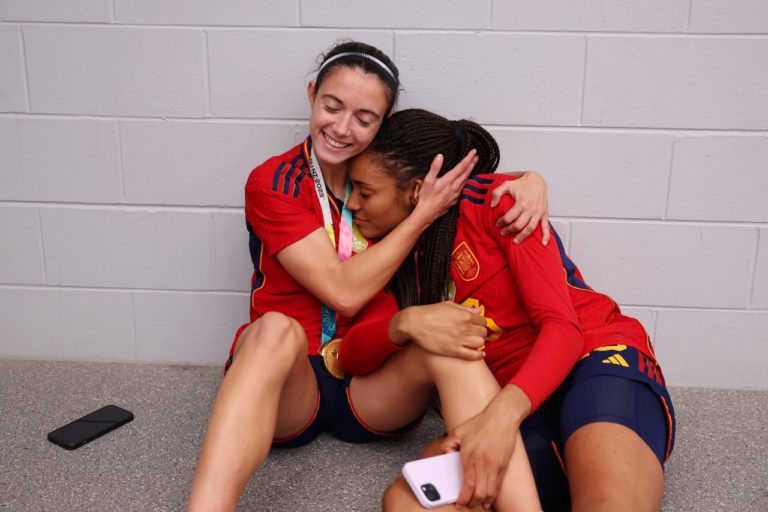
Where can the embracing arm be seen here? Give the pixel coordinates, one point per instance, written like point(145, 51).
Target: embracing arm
point(531, 207)
point(347, 285)
point(368, 343)
point(487, 441)
point(380, 330)
point(540, 279)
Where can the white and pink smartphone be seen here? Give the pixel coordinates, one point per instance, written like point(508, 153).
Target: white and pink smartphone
point(435, 481)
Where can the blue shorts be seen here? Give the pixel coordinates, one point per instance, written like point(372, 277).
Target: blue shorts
point(335, 413)
point(616, 384)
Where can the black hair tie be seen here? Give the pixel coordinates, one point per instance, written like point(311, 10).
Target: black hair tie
point(460, 136)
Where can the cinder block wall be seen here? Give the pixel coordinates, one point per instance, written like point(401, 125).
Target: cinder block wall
point(128, 127)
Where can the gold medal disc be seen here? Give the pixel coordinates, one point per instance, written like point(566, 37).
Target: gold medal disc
point(330, 353)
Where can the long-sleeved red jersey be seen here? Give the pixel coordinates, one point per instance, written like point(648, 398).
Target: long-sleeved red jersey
point(541, 314)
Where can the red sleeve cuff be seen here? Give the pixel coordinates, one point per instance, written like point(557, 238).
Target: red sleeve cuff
point(367, 345)
point(552, 358)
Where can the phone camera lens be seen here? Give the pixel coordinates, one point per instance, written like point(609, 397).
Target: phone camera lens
point(430, 492)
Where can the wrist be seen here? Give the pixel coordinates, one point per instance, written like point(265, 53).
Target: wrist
point(421, 218)
point(513, 403)
point(537, 178)
point(398, 327)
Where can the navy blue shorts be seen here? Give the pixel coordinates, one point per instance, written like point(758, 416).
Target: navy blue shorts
point(335, 413)
point(616, 384)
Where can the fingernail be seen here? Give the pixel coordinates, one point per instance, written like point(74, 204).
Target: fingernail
point(516, 241)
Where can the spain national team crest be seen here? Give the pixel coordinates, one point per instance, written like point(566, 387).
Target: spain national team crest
point(465, 262)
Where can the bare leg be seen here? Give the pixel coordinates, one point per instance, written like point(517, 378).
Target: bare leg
point(401, 389)
point(611, 468)
point(465, 387)
point(270, 390)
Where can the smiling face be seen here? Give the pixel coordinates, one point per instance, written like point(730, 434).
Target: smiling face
point(377, 202)
point(347, 111)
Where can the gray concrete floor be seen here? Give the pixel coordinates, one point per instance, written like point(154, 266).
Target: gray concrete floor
point(719, 462)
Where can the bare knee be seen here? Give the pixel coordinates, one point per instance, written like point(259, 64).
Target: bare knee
point(279, 329)
point(438, 365)
point(388, 500)
point(275, 334)
point(398, 498)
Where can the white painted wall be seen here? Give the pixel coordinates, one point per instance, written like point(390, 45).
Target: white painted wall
point(128, 127)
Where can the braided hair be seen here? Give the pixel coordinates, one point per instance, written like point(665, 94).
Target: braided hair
point(405, 147)
point(354, 54)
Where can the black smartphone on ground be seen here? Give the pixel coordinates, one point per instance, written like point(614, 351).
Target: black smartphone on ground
point(90, 426)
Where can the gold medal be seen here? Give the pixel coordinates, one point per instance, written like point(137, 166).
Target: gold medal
point(359, 242)
point(330, 353)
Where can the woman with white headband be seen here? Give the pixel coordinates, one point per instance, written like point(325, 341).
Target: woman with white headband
point(306, 288)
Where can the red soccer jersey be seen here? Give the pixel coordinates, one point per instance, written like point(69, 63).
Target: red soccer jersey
point(281, 208)
point(601, 319)
point(532, 296)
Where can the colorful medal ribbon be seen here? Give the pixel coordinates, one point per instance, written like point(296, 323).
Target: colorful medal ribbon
point(343, 248)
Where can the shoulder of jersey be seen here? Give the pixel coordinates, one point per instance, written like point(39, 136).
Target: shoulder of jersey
point(280, 174)
point(476, 189)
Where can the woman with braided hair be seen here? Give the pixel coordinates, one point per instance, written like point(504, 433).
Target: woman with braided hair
point(284, 384)
point(560, 363)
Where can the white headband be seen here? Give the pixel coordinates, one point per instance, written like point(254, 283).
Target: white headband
point(359, 54)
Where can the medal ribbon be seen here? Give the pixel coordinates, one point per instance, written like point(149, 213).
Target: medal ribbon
point(343, 248)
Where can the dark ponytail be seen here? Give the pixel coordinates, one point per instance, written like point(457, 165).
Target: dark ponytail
point(405, 146)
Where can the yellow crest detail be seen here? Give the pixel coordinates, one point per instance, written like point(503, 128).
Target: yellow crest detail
point(615, 348)
point(493, 327)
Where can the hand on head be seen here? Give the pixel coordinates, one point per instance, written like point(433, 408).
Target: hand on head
point(437, 195)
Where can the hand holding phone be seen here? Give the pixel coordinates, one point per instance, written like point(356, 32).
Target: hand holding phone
point(90, 426)
point(435, 481)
